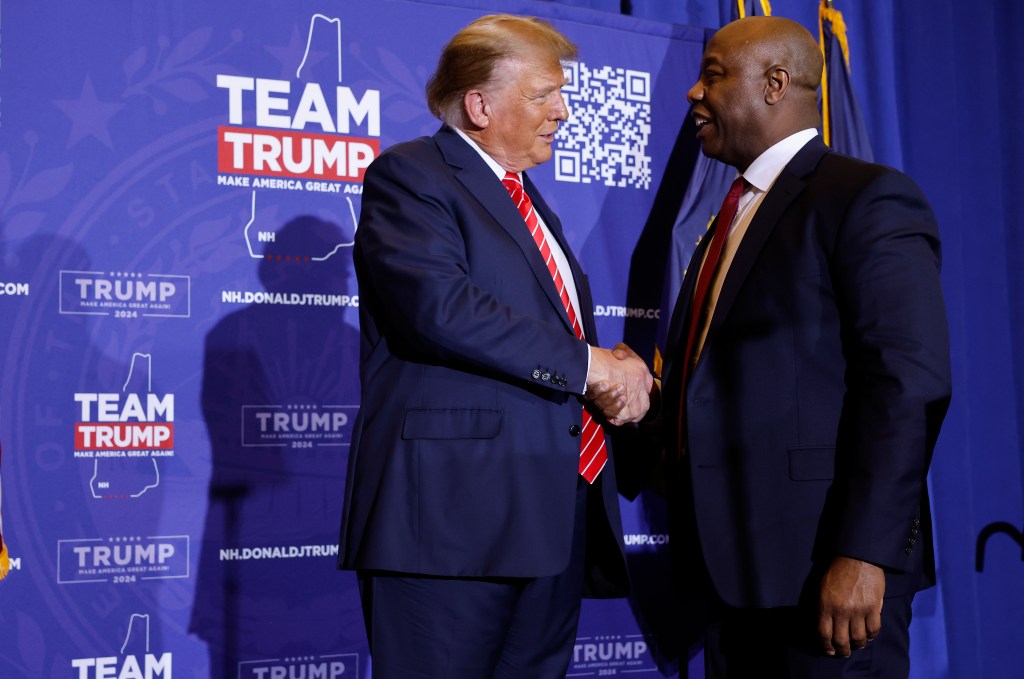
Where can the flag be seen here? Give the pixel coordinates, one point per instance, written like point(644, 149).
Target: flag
point(5, 562)
point(843, 126)
point(746, 8)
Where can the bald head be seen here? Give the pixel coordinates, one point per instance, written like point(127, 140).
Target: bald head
point(758, 85)
point(780, 42)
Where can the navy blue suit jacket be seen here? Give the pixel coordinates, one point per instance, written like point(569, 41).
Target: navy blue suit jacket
point(465, 451)
point(817, 399)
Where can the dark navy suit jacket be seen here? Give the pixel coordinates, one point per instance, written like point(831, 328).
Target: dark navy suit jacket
point(465, 451)
point(814, 408)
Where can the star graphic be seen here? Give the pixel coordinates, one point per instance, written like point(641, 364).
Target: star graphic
point(89, 116)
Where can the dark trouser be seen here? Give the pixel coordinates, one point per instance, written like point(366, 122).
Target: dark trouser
point(463, 628)
point(782, 642)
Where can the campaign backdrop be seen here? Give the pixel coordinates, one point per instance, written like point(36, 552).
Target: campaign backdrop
point(179, 191)
point(180, 186)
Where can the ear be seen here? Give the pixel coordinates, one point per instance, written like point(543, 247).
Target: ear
point(478, 111)
point(776, 85)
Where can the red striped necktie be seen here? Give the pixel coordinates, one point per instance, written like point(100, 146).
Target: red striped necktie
point(593, 454)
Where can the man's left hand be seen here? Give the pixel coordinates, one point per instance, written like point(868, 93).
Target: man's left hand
point(850, 607)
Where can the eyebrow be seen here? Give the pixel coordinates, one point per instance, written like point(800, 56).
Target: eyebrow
point(548, 88)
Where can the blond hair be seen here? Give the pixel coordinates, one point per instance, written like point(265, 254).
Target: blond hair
point(471, 57)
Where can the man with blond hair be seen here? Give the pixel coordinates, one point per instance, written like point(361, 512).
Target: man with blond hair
point(481, 499)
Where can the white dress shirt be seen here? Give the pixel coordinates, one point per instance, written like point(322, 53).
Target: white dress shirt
point(760, 177)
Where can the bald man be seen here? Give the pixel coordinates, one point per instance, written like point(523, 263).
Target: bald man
point(806, 381)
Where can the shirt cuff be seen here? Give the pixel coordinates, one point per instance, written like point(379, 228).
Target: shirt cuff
point(589, 350)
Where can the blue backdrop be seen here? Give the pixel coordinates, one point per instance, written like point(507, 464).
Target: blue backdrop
point(179, 184)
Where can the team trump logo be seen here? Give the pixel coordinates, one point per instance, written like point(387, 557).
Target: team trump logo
point(302, 130)
point(310, 134)
point(123, 425)
point(281, 147)
point(124, 433)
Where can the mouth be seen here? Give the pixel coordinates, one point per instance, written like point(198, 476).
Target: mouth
point(701, 121)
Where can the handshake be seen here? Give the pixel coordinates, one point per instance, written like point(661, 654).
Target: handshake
point(619, 384)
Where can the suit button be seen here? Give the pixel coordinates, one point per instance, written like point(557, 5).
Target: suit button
point(536, 374)
point(546, 376)
point(575, 430)
point(908, 550)
point(916, 522)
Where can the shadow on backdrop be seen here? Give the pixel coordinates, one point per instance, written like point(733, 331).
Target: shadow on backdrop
point(280, 384)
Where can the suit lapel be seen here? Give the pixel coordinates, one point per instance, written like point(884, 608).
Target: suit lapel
point(585, 312)
point(471, 170)
point(671, 374)
point(789, 184)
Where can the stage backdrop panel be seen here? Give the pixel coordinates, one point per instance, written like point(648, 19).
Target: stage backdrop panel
point(179, 190)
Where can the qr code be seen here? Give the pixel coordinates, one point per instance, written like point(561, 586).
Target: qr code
point(605, 139)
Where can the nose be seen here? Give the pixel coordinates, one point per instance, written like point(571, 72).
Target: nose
point(560, 111)
point(695, 93)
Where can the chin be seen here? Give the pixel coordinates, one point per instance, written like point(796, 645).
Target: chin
point(541, 157)
point(711, 151)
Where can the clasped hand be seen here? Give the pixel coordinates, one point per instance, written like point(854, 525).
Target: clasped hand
point(619, 383)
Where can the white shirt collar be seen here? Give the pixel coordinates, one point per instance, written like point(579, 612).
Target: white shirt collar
point(766, 167)
point(491, 162)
